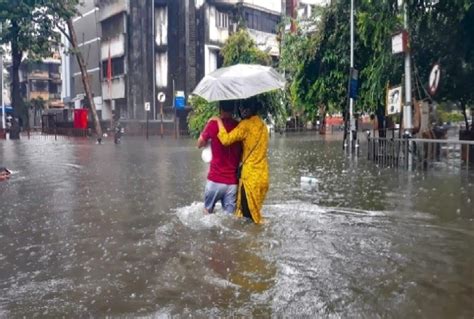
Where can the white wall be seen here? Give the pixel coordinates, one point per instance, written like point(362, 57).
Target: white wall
point(65, 70)
point(117, 89)
point(210, 58)
point(117, 47)
point(161, 25)
point(216, 34)
point(110, 9)
point(314, 2)
point(265, 41)
point(271, 5)
point(161, 63)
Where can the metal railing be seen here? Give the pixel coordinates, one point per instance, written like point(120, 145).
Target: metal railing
point(418, 153)
point(55, 133)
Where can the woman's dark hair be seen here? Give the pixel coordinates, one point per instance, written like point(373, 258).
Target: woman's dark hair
point(227, 106)
point(251, 105)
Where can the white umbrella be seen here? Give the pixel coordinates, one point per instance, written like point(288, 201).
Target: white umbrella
point(239, 81)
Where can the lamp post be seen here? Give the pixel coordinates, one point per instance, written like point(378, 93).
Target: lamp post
point(1, 87)
point(407, 109)
point(351, 98)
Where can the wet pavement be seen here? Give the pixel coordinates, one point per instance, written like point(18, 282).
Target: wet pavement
point(118, 230)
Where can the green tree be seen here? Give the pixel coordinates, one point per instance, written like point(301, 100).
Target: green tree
point(440, 31)
point(32, 27)
point(443, 32)
point(27, 29)
point(239, 48)
point(319, 76)
point(202, 112)
point(61, 13)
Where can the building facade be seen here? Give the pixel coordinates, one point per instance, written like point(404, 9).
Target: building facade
point(137, 49)
point(41, 81)
point(40, 86)
point(88, 31)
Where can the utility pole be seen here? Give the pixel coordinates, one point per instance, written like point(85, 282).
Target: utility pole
point(153, 25)
point(351, 100)
point(407, 108)
point(1, 88)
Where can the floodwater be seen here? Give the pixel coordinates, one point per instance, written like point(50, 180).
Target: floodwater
point(118, 231)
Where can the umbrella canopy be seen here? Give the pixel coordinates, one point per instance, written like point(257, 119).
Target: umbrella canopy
point(239, 81)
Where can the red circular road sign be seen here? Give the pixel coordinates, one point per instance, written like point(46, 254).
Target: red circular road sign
point(433, 82)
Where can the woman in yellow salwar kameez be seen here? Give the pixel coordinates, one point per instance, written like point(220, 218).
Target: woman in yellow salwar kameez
point(254, 180)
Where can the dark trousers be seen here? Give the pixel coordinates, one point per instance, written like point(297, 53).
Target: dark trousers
point(244, 204)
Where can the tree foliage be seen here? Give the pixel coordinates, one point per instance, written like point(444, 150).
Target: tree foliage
point(317, 63)
point(239, 48)
point(27, 29)
point(202, 112)
point(444, 34)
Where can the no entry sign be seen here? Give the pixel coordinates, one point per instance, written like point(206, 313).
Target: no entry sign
point(433, 82)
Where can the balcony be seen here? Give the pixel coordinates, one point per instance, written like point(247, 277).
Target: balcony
point(116, 46)
point(270, 6)
point(225, 2)
point(116, 90)
point(109, 8)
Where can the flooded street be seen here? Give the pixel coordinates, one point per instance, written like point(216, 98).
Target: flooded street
point(118, 230)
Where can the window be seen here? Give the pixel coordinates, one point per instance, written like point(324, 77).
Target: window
point(54, 68)
point(222, 20)
point(118, 67)
point(39, 86)
point(54, 88)
point(113, 26)
point(161, 64)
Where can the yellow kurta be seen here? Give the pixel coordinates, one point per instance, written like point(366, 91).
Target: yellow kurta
point(255, 163)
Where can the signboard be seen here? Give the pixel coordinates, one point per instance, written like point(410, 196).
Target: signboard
point(394, 100)
point(180, 100)
point(80, 118)
point(400, 42)
point(147, 106)
point(353, 84)
point(434, 79)
point(161, 97)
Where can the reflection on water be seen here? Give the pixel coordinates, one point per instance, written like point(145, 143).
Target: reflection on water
point(118, 230)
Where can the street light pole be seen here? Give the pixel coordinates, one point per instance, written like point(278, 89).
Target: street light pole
point(153, 23)
point(1, 88)
point(351, 100)
point(407, 109)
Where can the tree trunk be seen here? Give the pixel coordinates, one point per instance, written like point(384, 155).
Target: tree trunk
point(463, 110)
point(17, 55)
point(85, 79)
point(322, 120)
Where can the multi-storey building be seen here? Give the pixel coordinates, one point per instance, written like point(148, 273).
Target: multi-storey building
point(41, 81)
point(163, 46)
point(302, 10)
point(88, 31)
point(40, 86)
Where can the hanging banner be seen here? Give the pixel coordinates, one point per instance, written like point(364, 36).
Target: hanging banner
point(394, 100)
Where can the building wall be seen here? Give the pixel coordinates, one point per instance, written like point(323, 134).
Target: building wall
point(273, 6)
point(170, 48)
point(88, 31)
point(140, 58)
point(218, 31)
point(41, 80)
